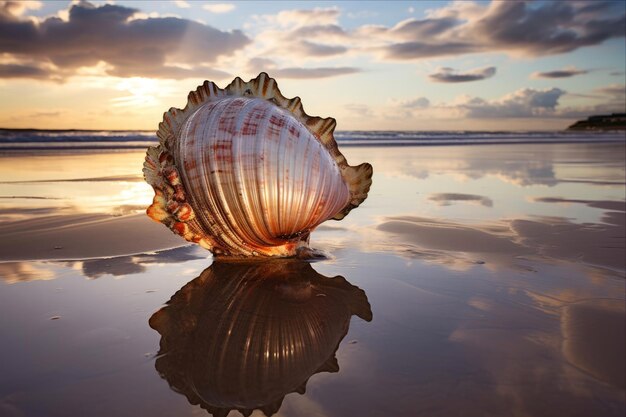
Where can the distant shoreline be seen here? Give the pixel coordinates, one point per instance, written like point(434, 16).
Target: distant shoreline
point(614, 122)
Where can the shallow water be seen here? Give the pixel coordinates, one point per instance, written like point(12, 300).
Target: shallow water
point(475, 281)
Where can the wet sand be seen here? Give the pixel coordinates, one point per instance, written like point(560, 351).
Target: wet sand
point(475, 281)
point(82, 236)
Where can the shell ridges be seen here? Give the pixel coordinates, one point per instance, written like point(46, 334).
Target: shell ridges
point(167, 168)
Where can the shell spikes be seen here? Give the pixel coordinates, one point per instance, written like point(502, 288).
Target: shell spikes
point(244, 171)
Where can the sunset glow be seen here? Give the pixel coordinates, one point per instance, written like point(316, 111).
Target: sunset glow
point(371, 65)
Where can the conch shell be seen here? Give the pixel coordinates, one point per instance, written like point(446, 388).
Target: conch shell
point(245, 334)
point(244, 171)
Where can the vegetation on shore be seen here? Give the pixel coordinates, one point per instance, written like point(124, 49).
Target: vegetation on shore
point(614, 121)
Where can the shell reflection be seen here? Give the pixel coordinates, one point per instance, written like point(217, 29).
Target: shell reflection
point(241, 336)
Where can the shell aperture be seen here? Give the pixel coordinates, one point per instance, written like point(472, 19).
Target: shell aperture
point(244, 171)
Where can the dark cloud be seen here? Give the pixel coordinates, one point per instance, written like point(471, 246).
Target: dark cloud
point(256, 65)
point(22, 71)
point(549, 28)
point(416, 29)
point(320, 72)
point(592, 7)
point(512, 26)
point(140, 47)
point(411, 50)
point(449, 75)
point(562, 73)
point(319, 31)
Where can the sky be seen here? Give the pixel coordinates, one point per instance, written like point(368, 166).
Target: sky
point(422, 65)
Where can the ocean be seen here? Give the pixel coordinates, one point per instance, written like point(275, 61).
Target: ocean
point(30, 139)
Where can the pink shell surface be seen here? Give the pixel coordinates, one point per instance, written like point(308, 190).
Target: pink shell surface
point(258, 180)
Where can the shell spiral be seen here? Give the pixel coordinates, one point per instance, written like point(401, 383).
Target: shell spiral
point(244, 171)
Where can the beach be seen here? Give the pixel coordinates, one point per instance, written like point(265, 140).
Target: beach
point(480, 278)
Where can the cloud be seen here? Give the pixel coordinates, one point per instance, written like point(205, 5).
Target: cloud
point(320, 32)
point(128, 43)
point(45, 114)
point(412, 50)
point(182, 4)
point(520, 28)
point(446, 199)
point(449, 75)
point(416, 29)
point(22, 71)
point(562, 73)
point(526, 102)
point(304, 17)
point(17, 8)
point(170, 71)
point(219, 8)
point(417, 103)
point(614, 91)
point(129, 47)
point(543, 105)
point(299, 35)
point(319, 72)
point(515, 28)
point(613, 100)
point(359, 110)
point(316, 49)
point(256, 65)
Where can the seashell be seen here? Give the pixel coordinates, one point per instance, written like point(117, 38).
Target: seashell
point(243, 335)
point(244, 171)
